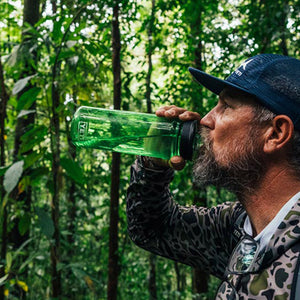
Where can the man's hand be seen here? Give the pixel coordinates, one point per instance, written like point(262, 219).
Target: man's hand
point(172, 112)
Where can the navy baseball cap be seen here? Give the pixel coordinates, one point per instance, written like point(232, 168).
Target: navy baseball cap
point(273, 79)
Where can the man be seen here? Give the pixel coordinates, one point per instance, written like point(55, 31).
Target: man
point(251, 147)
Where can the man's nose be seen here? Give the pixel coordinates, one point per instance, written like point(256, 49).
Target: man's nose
point(208, 120)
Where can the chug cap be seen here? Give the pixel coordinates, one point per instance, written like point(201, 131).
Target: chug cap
point(188, 139)
point(273, 79)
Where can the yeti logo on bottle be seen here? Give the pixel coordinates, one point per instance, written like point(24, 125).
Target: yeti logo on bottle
point(82, 129)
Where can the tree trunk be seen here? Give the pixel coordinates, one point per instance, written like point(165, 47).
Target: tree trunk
point(56, 169)
point(200, 281)
point(113, 260)
point(149, 55)
point(152, 258)
point(56, 176)
point(3, 106)
point(283, 27)
point(177, 270)
point(71, 214)
point(152, 277)
point(71, 199)
point(200, 278)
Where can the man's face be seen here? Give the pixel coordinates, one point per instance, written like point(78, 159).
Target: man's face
point(232, 155)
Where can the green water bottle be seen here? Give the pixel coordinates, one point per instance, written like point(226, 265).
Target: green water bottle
point(133, 133)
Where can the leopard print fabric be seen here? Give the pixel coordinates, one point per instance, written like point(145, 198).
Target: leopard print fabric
point(195, 236)
point(203, 237)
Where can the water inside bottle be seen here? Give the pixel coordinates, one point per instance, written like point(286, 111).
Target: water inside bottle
point(158, 146)
point(145, 138)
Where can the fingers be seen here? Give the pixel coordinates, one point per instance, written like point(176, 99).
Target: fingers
point(176, 162)
point(173, 111)
point(189, 115)
point(170, 111)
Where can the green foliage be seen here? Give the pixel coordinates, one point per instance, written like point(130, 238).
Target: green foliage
point(73, 170)
point(33, 137)
point(70, 49)
point(45, 223)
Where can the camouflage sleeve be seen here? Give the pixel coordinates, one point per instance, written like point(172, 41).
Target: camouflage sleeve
point(197, 236)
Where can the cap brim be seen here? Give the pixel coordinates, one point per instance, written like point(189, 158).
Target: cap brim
point(214, 84)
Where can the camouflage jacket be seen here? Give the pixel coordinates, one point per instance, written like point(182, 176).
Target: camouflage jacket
point(205, 237)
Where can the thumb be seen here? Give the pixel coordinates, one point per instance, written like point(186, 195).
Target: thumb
point(177, 163)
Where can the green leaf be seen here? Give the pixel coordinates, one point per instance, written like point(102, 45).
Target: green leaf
point(40, 130)
point(33, 157)
point(45, 223)
point(3, 279)
point(12, 176)
point(6, 9)
point(57, 29)
point(66, 53)
point(29, 260)
point(20, 84)
point(73, 170)
point(24, 224)
point(19, 251)
point(79, 273)
point(9, 260)
point(28, 98)
point(3, 204)
point(91, 48)
point(25, 113)
point(33, 137)
point(37, 174)
point(13, 57)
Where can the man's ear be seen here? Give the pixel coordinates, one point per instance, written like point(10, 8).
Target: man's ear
point(278, 134)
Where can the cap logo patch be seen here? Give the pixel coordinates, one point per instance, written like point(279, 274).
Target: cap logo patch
point(242, 67)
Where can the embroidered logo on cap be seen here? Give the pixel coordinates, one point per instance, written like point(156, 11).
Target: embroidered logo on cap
point(242, 67)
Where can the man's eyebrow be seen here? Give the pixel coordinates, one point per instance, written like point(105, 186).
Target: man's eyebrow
point(224, 96)
point(221, 96)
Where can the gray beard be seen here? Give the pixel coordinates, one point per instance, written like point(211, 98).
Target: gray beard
point(240, 176)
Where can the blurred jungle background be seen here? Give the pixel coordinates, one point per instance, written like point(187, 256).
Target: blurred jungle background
point(63, 222)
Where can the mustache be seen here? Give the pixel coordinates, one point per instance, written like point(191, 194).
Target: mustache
point(205, 137)
point(241, 173)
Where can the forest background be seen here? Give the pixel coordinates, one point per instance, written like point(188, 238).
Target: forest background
point(63, 223)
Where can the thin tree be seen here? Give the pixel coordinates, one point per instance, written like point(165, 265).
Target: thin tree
point(56, 172)
point(283, 20)
point(113, 259)
point(55, 151)
point(56, 177)
point(200, 278)
point(71, 195)
point(4, 96)
point(152, 258)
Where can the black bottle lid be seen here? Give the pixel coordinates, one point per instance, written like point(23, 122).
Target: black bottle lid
point(187, 141)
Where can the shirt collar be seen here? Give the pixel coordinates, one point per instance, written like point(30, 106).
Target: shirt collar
point(265, 235)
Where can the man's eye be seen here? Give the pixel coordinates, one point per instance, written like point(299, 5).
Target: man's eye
point(225, 105)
